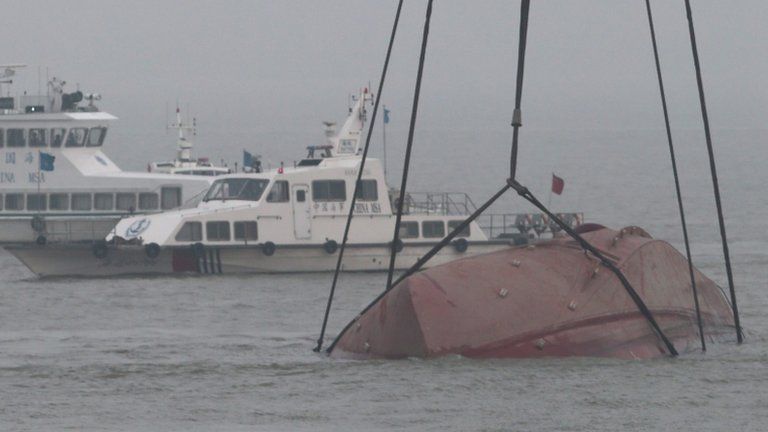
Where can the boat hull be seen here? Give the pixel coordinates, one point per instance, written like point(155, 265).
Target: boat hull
point(56, 260)
point(18, 229)
point(549, 300)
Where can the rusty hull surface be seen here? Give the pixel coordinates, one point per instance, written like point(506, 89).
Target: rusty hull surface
point(551, 299)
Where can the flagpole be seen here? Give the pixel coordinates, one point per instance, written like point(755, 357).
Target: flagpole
point(384, 139)
point(549, 199)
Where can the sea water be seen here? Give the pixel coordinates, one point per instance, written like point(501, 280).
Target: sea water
point(234, 353)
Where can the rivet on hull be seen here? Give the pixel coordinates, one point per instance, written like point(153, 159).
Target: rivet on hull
point(595, 271)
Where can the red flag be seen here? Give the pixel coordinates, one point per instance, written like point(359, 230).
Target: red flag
point(557, 184)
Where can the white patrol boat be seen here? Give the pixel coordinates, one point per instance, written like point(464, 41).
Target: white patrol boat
point(289, 219)
point(56, 183)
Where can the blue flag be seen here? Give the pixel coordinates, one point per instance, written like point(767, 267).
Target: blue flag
point(247, 159)
point(46, 161)
point(386, 116)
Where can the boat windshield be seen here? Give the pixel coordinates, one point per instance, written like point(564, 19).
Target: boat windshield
point(237, 189)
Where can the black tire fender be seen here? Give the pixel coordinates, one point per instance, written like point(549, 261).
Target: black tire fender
point(100, 249)
point(398, 246)
point(268, 248)
point(152, 250)
point(331, 247)
point(460, 245)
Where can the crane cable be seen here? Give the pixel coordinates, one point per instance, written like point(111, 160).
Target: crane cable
point(377, 98)
point(677, 179)
point(713, 170)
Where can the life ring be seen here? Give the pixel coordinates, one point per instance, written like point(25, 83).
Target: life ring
point(330, 247)
point(398, 247)
point(268, 248)
point(152, 250)
point(38, 223)
point(41, 240)
point(100, 249)
point(198, 249)
point(460, 245)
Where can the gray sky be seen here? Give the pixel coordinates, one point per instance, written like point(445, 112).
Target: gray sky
point(252, 70)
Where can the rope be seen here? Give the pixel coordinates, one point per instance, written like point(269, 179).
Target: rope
point(517, 117)
point(525, 193)
point(677, 180)
point(713, 169)
point(407, 162)
point(358, 181)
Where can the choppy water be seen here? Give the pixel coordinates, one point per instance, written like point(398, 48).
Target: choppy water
point(234, 353)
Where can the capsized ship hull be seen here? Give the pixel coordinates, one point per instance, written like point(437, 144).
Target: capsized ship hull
point(551, 299)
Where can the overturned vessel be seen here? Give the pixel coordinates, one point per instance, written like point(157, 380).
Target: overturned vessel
point(549, 299)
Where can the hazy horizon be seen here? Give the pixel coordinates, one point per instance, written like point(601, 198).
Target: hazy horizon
point(263, 75)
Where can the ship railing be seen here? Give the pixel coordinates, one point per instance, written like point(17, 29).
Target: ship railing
point(436, 203)
point(76, 229)
point(525, 225)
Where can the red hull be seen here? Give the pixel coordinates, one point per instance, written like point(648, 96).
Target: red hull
point(547, 300)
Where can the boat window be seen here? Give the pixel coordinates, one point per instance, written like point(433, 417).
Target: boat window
point(190, 231)
point(452, 225)
point(246, 230)
point(217, 231)
point(279, 192)
point(2, 138)
point(170, 197)
point(148, 201)
point(96, 136)
point(16, 137)
point(14, 201)
point(329, 190)
point(1, 201)
point(57, 136)
point(409, 230)
point(103, 201)
point(309, 162)
point(37, 202)
point(126, 201)
point(76, 137)
point(37, 138)
point(368, 191)
point(301, 195)
point(237, 189)
point(81, 201)
point(58, 201)
point(433, 229)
